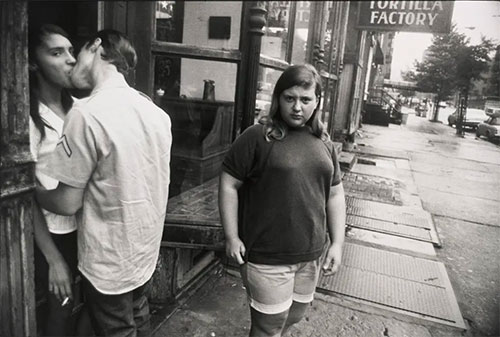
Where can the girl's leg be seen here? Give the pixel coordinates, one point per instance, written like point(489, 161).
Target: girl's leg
point(267, 325)
point(295, 314)
point(270, 293)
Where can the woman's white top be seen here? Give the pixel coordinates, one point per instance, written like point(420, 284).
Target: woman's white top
point(41, 149)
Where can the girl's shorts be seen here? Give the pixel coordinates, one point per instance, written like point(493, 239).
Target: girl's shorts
point(271, 289)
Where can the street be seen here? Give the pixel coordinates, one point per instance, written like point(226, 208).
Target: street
point(455, 179)
point(458, 181)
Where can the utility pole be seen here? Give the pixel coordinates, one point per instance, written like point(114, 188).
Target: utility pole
point(462, 109)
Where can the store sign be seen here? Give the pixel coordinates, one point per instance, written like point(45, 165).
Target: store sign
point(408, 16)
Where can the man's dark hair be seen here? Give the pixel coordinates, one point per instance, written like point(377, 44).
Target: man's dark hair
point(118, 50)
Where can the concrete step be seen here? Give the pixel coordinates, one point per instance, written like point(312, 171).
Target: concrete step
point(338, 147)
point(347, 160)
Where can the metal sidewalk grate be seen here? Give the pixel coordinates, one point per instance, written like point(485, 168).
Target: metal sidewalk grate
point(421, 234)
point(398, 282)
point(402, 218)
point(381, 211)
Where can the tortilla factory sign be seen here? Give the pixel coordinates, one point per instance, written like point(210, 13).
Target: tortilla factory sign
point(408, 16)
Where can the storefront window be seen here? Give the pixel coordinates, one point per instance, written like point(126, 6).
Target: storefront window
point(199, 96)
point(301, 32)
point(331, 40)
point(275, 39)
point(265, 86)
point(214, 24)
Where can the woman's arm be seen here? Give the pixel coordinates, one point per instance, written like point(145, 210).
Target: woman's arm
point(228, 208)
point(336, 217)
point(64, 200)
point(59, 273)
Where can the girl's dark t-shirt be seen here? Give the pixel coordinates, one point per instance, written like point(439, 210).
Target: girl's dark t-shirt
point(286, 185)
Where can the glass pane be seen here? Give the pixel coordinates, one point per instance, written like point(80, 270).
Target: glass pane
point(265, 86)
point(301, 32)
point(275, 39)
point(214, 24)
point(199, 96)
point(330, 45)
point(327, 96)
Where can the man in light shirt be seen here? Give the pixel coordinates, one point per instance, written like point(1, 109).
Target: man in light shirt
point(112, 163)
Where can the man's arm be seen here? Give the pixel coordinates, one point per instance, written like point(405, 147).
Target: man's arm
point(64, 200)
point(228, 207)
point(336, 217)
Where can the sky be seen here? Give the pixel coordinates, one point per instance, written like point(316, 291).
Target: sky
point(472, 18)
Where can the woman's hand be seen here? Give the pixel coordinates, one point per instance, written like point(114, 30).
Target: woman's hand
point(333, 259)
point(60, 279)
point(235, 249)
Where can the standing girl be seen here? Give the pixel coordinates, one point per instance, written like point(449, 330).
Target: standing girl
point(280, 192)
point(50, 63)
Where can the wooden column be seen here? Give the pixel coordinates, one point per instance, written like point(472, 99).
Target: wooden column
point(140, 23)
point(250, 64)
point(347, 79)
point(17, 295)
point(316, 36)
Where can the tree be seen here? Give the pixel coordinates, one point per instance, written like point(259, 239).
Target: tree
point(450, 64)
point(493, 87)
point(473, 62)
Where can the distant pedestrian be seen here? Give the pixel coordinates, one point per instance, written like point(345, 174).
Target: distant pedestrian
point(280, 193)
point(113, 159)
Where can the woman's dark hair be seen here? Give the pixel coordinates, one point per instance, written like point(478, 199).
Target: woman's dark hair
point(35, 39)
point(306, 76)
point(118, 50)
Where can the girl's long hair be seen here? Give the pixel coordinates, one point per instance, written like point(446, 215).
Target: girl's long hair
point(305, 75)
point(35, 40)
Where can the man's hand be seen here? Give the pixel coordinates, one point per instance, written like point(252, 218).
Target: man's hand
point(333, 259)
point(60, 280)
point(235, 249)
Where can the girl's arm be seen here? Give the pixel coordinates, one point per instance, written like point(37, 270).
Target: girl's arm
point(336, 217)
point(59, 273)
point(228, 208)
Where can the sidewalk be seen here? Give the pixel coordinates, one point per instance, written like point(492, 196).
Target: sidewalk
point(390, 276)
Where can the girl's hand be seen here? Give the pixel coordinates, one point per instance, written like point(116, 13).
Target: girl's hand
point(333, 259)
point(60, 280)
point(235, 249)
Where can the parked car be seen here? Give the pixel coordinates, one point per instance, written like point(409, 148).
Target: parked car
point(490, 128)
point(492, 112)
point(472, 118)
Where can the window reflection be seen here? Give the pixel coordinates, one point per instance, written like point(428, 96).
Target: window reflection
point(301, 32)
point(214, 24)
point(275, 39)
point(331, 40)
point(169, 21)
point(265, 85)
point(199, 96)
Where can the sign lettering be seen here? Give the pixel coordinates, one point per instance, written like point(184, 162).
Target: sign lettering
point(409, 16)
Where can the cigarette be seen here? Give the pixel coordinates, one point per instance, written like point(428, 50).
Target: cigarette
point(65, 301)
